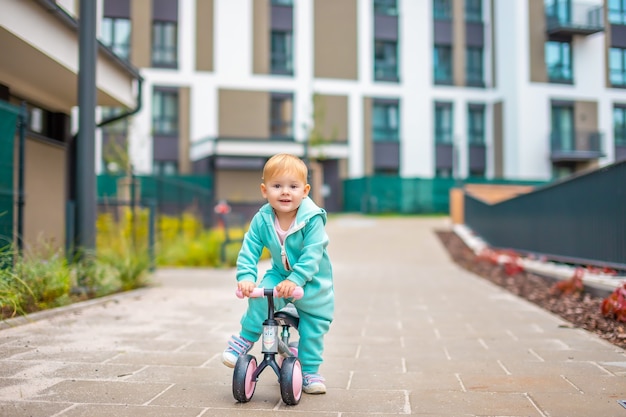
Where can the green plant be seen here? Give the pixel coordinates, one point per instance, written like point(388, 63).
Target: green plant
point(203, 250)
point(47, 275)
point(130, 268)
point(14, 292)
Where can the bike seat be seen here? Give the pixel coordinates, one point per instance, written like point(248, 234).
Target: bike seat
point(287, 316)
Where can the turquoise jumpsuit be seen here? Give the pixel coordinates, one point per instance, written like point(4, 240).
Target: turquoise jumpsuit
point(309, 267)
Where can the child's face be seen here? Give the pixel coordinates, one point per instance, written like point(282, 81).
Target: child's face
point(285, 192)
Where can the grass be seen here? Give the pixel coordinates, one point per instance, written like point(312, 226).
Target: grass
point(44, 279)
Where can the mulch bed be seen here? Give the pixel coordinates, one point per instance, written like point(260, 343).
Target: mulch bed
point(582, 310)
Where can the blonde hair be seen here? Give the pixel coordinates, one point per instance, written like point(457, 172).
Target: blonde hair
point(284, 163)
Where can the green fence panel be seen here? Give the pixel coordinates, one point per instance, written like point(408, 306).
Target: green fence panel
point(8, 120)
point(179, 188)
point(388, 194)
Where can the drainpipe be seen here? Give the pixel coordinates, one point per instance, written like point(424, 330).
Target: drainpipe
point(130, 112)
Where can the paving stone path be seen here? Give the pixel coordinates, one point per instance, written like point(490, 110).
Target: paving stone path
point(413, 334)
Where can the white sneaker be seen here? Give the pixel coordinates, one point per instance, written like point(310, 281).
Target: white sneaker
point(313, 384)
point(237, 346)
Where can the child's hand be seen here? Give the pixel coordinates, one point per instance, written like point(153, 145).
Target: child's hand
point(246, 287)
point(285, 288)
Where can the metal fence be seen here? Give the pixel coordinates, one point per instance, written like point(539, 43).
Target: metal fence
point(387, 194)
point(580, 220)
point(12, 120)
point(170, 195)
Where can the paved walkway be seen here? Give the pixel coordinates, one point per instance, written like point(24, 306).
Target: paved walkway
point(413, 334)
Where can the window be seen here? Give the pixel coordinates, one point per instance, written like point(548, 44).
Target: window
point(166, 168)
point(443, 123)
point(386, 7)
point(561, 10)
point(617, 67)
point(617, 12)
point(164, 44)
point(443, 64)
point(474, 11)
point(442, 9)
point(386, 60)
point(165, 112)
point(559, 62)
point(619, 125)
point(281, 116)
point(385, 121)
point(118, 127)
point(282, 50)
point(563, 128)
point(476, 124)
point(474, 66)
point(116, 35)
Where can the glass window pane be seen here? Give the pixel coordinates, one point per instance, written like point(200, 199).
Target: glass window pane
point(443, 64)
point(386, 7)
point(443, 123)
point(442, 9)
point(385, 60)
point(165, 44)
point(385, 122)
point(619, 125)
point(281, 52)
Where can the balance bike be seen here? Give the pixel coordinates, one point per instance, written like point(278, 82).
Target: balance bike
point(288, 370)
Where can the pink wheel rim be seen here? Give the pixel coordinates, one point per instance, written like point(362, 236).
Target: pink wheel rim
point(250, 382)
point(297, 380)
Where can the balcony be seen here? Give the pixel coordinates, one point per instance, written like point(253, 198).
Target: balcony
point(577, 19)
point(578, 147)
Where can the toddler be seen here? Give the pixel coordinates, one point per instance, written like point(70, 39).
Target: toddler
point(291, 227)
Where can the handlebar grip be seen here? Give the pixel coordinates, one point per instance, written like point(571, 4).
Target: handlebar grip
point(297, 293)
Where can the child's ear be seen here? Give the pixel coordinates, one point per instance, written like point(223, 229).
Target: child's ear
point(307, 188)
point(263, 190)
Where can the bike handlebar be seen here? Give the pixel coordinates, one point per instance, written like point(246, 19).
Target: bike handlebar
point(297, 293)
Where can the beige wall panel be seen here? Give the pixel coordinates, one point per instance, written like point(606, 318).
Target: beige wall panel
point(45, 194)
point(335, 39)
point(537, 40)
point(498, 140)
point(140, 41)
point(244, 113)
point(333, 115)
point(204, 35)
point(458, 45)
point(261, 36)
point(586, 120)
point(184, 139)
point(238, 186)
point(368, 156)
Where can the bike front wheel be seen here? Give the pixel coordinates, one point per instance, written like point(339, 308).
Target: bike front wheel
point(243, 381)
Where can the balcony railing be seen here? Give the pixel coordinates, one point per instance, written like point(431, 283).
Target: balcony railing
point(579, 146)
point(578, 19)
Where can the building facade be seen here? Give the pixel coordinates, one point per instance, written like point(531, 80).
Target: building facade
point(522, 90)
point(39, 80)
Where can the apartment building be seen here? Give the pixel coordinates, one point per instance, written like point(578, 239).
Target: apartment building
point(513, 89)
point(39, 87)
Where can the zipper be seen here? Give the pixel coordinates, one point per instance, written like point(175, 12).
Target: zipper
point(283, 252)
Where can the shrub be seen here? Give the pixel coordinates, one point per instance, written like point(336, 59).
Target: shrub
point(614, 306)
point(574, 285)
